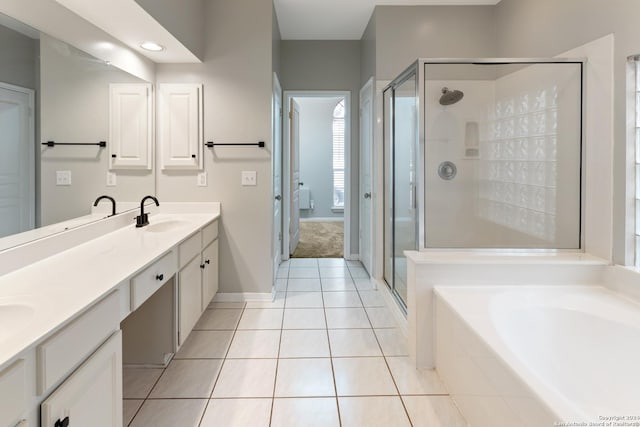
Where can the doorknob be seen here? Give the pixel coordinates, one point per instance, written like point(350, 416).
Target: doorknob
point(301, 183)
point(278, 197)
point(367, 195)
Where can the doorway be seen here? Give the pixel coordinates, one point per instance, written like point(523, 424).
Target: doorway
point(316, 174)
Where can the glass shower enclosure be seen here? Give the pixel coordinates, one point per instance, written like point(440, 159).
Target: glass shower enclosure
point(482, 154)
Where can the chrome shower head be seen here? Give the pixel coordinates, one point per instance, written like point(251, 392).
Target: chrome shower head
point(450, 97)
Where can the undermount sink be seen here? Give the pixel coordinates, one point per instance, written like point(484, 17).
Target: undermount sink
point(168, 225)
point(13, 317)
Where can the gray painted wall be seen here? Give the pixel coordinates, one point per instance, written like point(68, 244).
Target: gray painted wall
point(276, 38)
point(316, 154)
point(328, 65)
point(368, 51)
point(75, 108)
point(405, 33)
point(571, 23)
point(236, 74)
point(184, 19)
point(19, 58)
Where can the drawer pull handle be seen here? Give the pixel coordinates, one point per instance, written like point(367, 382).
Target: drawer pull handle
point(208, 261)
point(160, 277)
point(62, 423)
point(202, 266)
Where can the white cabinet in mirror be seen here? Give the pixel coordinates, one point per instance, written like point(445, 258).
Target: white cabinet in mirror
point(49, 189)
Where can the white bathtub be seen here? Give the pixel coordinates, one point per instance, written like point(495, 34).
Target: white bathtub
point(538, 355)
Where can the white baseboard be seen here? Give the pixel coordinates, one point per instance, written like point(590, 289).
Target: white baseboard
point(242, 296)
point(353, 257)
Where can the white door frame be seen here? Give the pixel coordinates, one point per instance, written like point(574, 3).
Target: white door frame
point(367, 91)
point(286, 163)
point(276, 122)
point(31, 184)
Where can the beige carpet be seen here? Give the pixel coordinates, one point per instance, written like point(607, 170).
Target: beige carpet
point(320, 240)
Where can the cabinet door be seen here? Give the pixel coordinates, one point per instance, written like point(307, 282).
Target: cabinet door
point(190, 298)
point(92, 395)
point(210, 273)
point(130, 126)
point(180, 124)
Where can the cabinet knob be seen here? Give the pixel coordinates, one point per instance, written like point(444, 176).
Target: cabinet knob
point(62, 423)
point(208, 261)
point(193, 156)
point(160, 277)
point(201, 265)
point(113, 156)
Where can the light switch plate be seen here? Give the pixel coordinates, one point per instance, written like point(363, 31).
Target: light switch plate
point(63, 177)
point(111, 179)
point(202, 179)
point(249, 178)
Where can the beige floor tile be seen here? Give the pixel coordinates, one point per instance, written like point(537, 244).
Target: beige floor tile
point(392, 342)
point(129, 409)
point(327, 272)
point(226, 319)
point(381, 317)
point(303, 262)
point(254, 344)
point(372, 299)
point(246, 378)
point(341, 299)
point(332, 262)
point(237, 413)
point(433, 411)
point(307, 412)
point(280, 285)
point(261, 318)
point(363, 376)
point(353, 343)
point(304, 300)
point(304, 378)
point(412, 381)
point(138, 382)
point(358, 272)
point(372, 412)
point(347, 318)
point(216, 304)
point(338, 284)
point(278, 302)
point(365, 284)
point(187, 379)
point(304, 343)
point(352, 263)
point(304, 285)
point(304, 318)
point(303, 273)
point(283, 272)
point(170, 413)
point(205, 345)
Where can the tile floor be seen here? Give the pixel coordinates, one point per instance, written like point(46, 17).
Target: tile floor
point(327, 352)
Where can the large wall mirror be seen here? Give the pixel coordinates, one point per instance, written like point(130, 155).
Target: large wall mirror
point(51, 91)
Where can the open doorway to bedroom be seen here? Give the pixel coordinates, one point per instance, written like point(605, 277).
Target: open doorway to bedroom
point(316, 156)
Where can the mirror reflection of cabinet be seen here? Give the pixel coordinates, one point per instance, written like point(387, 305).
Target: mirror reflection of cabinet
point(180, 133)
point(130, 126)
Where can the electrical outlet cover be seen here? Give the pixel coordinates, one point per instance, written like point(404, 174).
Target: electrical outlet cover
point(202, 179)
point(111, 179)
point(249, 178)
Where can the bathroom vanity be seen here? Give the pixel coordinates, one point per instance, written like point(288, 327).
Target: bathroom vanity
point(62, 312)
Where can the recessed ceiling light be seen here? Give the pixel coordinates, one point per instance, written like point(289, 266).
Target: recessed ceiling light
point(153, 47)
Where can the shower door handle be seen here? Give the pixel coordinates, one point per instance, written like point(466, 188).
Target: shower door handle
point(278, 197)
point(367, 195)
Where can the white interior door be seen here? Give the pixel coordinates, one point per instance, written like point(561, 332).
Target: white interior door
point(366, 178)
point(294, 222)
point(17, 160)
point(277, 174)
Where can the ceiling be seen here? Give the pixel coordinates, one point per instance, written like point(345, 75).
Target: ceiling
point(341, 19)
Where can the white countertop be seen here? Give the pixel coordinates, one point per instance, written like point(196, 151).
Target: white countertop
point(48, 293)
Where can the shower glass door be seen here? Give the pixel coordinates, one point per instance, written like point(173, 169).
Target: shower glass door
point(401, 144)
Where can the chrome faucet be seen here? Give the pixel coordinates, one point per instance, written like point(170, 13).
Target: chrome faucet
point(143, 219)
point(113, 203)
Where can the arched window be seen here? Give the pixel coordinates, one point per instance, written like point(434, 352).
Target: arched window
point(338, 155)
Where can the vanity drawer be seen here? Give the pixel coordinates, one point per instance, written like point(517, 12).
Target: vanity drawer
point(65, 350)
point(144, 284)
point(13, 394)
point(189, 249)
point(209, 233)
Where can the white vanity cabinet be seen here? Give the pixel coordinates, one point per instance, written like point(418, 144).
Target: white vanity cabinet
point(13, 393)
point(198, 277)
point(92, 395)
